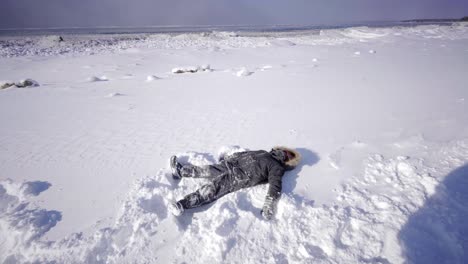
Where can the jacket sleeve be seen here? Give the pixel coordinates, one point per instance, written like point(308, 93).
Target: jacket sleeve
point(274, 192)
point(275, 181)
point(234, 155)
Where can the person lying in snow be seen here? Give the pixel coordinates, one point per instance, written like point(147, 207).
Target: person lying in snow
point(232, 173)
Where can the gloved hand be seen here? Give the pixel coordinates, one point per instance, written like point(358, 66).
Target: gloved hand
point(267, 213)
point(268, 209)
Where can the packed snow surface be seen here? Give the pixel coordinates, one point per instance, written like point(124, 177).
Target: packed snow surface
point(379, 115)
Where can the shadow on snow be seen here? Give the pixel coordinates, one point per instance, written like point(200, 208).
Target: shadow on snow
point(438, 232)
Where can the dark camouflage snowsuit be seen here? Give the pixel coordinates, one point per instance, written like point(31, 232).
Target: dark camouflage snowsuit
point(241, 170)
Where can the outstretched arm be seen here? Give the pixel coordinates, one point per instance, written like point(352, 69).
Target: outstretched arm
point(274, 193)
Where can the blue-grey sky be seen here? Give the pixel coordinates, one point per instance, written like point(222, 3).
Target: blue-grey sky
point(88, 13)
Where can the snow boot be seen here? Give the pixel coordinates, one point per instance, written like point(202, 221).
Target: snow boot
point(175, 168)
point(176, 208)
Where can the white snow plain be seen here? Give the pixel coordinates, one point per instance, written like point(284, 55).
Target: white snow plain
point(379, 114)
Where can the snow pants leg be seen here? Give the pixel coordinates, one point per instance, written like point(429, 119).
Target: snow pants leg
point(210, 171)
point(208, 193)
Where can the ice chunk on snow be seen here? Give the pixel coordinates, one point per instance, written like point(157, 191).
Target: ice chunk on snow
point(192, 69)
point(372, 51)
point(6, 84)
point(357, 53)
point(26, 83)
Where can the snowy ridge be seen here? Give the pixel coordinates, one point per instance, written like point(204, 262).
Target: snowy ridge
point(92, 44)
point(364, 224)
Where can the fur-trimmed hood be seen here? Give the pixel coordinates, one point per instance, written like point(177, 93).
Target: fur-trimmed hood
point(292, 162)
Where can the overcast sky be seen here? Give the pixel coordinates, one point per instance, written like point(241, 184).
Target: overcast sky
point(88, 13)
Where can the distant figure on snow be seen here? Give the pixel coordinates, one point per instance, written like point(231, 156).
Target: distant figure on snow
point(235, 172)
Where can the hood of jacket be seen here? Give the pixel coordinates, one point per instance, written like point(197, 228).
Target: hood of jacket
point(278, 153)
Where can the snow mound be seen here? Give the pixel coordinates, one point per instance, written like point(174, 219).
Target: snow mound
point(243, 72)
point(151, 78)
point(97, 79)
point(266, 67)
point(114, 95)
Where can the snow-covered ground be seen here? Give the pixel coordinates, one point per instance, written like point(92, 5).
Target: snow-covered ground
point(380, 116)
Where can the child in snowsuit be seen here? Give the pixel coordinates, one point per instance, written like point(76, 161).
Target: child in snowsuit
point(232, 173)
